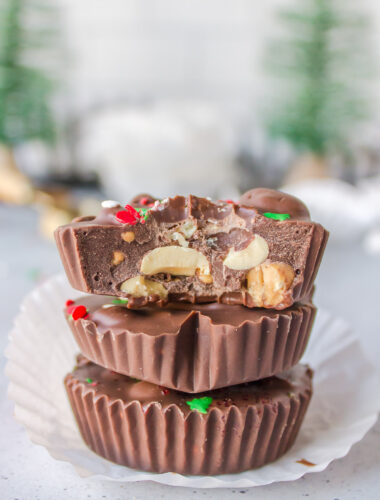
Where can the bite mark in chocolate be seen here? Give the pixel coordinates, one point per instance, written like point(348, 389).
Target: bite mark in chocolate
point(198, 251)
point(193, 348)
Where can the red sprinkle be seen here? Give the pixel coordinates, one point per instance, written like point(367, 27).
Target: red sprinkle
point(70, 309)
point(128, 216)
point(164, 391)
point(69, 302)
point(79, 312)
point(144, 201)
point(229, 201)
point(94, 384)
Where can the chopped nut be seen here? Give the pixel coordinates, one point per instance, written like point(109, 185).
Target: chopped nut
point(128, 236)
point(188, 228)
point(253, 255)
point(180, 238)
point(207, 279)
point(118, 258)
point(174, 260)
point(142, 287)
point(211, 242)
point(268, 283)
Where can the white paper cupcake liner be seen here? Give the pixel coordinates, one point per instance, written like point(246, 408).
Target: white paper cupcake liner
point(41, 351)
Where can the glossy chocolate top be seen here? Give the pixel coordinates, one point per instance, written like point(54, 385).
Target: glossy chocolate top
point(155, 320)
point(179, 208)
point(270, 200)
point(120, 387)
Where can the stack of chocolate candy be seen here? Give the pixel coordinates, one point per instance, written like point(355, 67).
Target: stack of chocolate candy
point(198, 315)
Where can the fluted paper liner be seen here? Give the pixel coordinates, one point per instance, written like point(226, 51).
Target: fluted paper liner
point(41, 351)
point(159, 439)
point(202, 355)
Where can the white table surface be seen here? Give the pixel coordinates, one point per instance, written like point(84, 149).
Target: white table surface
point(348, 283)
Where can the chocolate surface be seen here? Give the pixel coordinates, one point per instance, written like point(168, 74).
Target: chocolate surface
point(192, 348)
point(270, 200)
point(101, 253)
point(148, 427)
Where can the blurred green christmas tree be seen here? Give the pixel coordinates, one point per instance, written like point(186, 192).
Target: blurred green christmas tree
point(25, 89)
point(320, 63)
point(26, 36)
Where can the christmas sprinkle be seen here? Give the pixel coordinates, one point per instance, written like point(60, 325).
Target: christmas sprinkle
point(200, 404)
point(70, 309)
point(69, 303)
point(110, 204)
point(144, 201)
point(144, 212)
point(91, 382)
point(120, 301)
point(274, 216)
point(128, 216)
point(79, 312)
point(229, 201)
point(131, 215)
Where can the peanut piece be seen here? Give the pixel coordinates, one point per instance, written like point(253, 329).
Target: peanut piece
point(253, 255)
point(128, 236)
point(175, 260)
point(207, 279)
point(188, 228)
point(180, 238)
point(142, 287)
point(268, 283)
point(118, 258)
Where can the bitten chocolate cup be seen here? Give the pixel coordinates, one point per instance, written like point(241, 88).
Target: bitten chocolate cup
point(191, 249)
point(192, 348)
point(146, 427)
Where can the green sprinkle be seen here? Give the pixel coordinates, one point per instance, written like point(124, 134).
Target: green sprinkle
point(120, 301)
point(89, 380)
point(200, 404)
point(144, 212)
point(274, 216)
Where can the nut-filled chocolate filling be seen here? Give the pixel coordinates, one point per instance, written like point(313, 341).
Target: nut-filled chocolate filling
point(195, 250)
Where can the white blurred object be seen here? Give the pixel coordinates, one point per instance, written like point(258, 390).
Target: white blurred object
point(164, 149)
point(372, 241)
point(34, 158)
point(348, 212)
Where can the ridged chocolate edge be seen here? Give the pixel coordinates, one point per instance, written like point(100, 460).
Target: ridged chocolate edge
point(164, 440)
point(317, 248)
point(202, 355)
point(68, 251)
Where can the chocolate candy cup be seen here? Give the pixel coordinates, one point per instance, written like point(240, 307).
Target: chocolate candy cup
point(192, 348)
point(146, 427)
point(191, 249)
